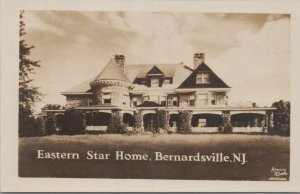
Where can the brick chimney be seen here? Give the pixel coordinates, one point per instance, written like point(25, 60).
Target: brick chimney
point(199, 58)
point(120, 59)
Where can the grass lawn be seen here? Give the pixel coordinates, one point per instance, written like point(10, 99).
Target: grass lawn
point(262, 152)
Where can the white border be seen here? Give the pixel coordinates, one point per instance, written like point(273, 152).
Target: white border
point(9, 96)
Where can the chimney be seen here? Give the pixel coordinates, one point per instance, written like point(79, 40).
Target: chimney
point(120, 59)
point(199, 58)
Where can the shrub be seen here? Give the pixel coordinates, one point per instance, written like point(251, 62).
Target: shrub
point(138, 119)
point(163, 117)
point(226, 126)
point(74, 122)
point(184, 122)
point(26, 122)
point(281, 118)
point(50, 123)
point(116, 123)
point(40, 127)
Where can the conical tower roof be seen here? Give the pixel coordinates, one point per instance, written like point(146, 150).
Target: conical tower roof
point(112, 71)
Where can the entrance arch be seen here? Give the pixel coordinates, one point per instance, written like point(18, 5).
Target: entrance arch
point(149, 121)
point(128, 119)
point(173, 121)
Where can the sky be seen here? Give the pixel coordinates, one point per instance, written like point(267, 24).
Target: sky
point(250, 52)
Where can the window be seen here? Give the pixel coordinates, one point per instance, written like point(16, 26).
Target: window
point(167, 82)
point(192, 100)
point(202, 99)
point(143, 82)
point(134, 101)
point(106, 98)
point(202, 78)
point(154, 82)
point(125, 98)
point(163, 101)
point(213, 99)
point(146, 98)
point(175, 101)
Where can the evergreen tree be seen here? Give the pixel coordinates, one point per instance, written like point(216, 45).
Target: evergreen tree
point(282, 118)
point(28, 94)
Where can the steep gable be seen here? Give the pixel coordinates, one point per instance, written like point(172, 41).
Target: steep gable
point(155, 71)
point(214, 80)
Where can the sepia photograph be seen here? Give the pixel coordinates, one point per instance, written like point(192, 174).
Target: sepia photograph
point(154, 95)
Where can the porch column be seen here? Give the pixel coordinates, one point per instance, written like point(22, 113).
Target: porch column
point(226, 126)
point(269, 121)
point(142, 121)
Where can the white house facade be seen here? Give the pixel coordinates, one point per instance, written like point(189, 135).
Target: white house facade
point(148, 88)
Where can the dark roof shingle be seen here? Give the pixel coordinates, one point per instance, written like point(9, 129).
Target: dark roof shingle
point(155, 71)
point(214, 80)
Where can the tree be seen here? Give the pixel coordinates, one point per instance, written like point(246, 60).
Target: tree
point(282, 118)
point(50, 124)
point(53, 107)
point(226, 126)
point(40, 127)
point(28, 94)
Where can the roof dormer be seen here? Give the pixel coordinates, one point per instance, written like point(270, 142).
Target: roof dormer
point(155, 71)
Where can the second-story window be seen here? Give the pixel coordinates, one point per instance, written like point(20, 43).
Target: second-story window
point(167, 82)
point(202, 78)
point(134, 101)
point(202, 99)
point(213, 99)
point(163, 101)
point(192, 100)
point(146, 98)
point(154, 82)
point(175, 101)
point(106, 98)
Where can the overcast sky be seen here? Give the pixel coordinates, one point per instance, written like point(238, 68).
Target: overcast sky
point(250, 52)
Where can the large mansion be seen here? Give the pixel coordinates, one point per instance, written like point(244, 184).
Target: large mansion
point(172, 87)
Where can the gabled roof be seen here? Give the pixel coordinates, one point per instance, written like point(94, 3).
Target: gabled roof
point(80, 88)
point(112, 71)
point(155, 71)
point(178, 71)
point(214, 80)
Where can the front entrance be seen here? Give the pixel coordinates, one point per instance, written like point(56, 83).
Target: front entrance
point(149, 121)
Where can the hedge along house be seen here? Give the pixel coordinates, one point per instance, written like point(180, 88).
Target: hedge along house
point(147, 96)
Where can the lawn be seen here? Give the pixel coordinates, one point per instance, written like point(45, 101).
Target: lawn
point(262, 151)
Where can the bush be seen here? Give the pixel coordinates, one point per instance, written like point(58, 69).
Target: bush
point(40, 127)
point(26, 122)
point(162, 117)
point(281, 118)
point(116, 123)
point(138, 119)
point(74, 122)
point(184, 122)
point(50, 124)
point(226, 126)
